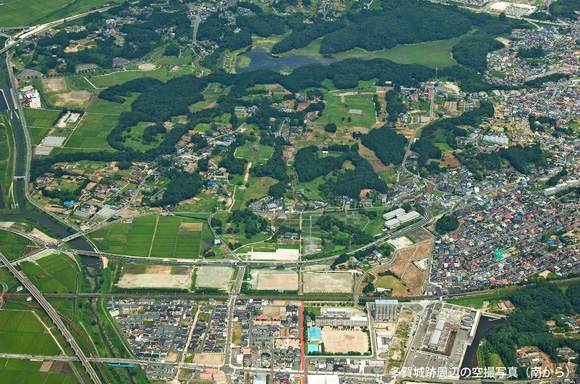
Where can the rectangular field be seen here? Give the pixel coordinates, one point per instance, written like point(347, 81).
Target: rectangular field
point(157, 276)
point(41, 118)
point(21, 332)
point(336, 341)
point(213, 277)
point(156, 236)
point(329, 282)
point(280, 281)
point(15, 371)
point(55, 273)
point(95, 125)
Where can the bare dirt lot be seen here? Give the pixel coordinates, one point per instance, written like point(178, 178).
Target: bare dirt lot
point(336, 341)
point(339, 282)
point(71, 99)
point(213, 277)
point(147, 67)
point(56, 84)
point(209, 358)
point(408, 273)
point(156, 276)
point(270, 280)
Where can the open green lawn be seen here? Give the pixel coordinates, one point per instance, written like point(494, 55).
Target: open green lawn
point(258, 188)
point(12, 245)
point(478, 300)
point(14, 13)
point(91, 134)
point(155, 236)
point(41, 118)
point(163, 74)
point(254, 152)
point(336, 111)
point(55, 273)
point(21, 332)
point(431, 54)
point(28, 372)
point(6, 155)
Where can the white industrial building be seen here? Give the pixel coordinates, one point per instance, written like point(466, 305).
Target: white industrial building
point(392, 224)
point(405, 218)
point(393, 214)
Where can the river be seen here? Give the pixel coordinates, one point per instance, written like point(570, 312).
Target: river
point(23, 212)
point(485, 323)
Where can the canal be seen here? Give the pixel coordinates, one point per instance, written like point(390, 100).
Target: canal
point(485, 323)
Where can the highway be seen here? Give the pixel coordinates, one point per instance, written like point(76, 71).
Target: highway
point(55, 319)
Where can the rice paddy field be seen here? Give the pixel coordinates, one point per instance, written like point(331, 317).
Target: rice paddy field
point(55, 273)
point(22, 332)
point(31, 372)
point(41, 118)
point(14, 13)
point(13, 246)
point(156, 236)
point(98, 121)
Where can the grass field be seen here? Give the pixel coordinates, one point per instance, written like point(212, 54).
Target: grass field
point(254, 152)
point(91, 134)
point(258, 188)
point(477, 301)
point(28, 372)
point(12, 245)
point(115, 78)
point(21, 332)
point(41, 118)
point(155, 236)
point(15, 13)
point(6, 155)
point(55, 273)
point(431, 54)
point(336, 110)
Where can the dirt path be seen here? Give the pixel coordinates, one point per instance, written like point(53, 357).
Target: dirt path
point(247, 172)
point(153, 237)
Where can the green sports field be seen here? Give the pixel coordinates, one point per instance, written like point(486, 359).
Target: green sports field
point(55, 273)
point(337, 110)
point(155, 236)
point(41, 118)
point(21, 332)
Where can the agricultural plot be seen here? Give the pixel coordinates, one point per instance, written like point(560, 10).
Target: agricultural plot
point(91, 134)
point(31, 372)
point(156, 236)
point(258, 188)
point(329, 282)
point(41, 118)
point(15, 13)
point(55, 273)
point(22, 332)
point(13, 246)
